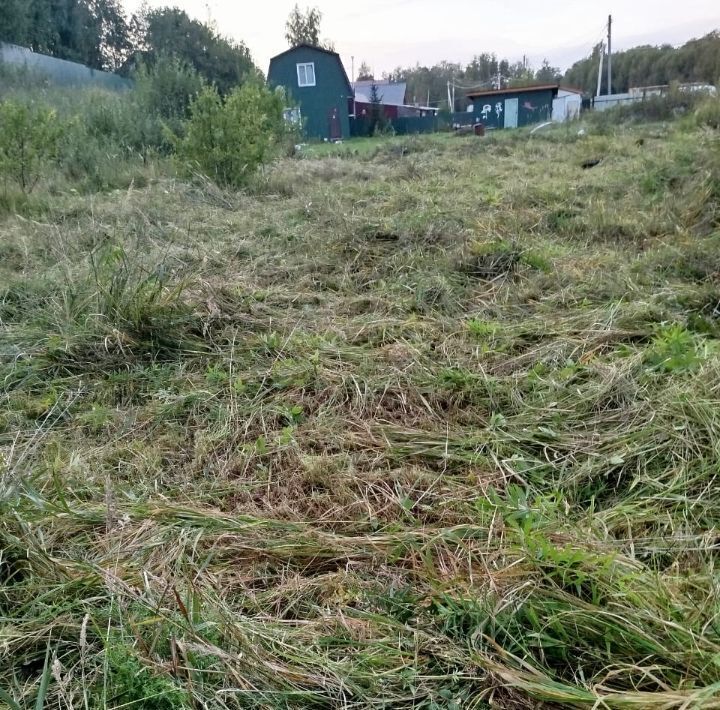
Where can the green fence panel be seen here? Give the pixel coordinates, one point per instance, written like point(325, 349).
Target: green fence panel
point(406, 125)
point(359, 127)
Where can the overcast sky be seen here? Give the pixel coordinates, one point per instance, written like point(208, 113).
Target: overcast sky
point(390, 33)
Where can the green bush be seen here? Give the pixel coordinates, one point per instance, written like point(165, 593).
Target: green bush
point(122, 123)
point(160, 104)
point(29, 139)
point(655, 108)
point(107, 135)
point(113, 135)
point(673, 349)
point(229, 139)
point(167, 88)
point(104, 140)
point(107, 142)
point(708, 113)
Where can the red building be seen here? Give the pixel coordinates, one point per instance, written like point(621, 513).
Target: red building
point(392, 98)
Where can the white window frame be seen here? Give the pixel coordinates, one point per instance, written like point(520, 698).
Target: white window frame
point(302, 73)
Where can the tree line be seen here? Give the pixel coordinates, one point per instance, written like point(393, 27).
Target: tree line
point(429, 84)
point(695, 61)
point(99, 34)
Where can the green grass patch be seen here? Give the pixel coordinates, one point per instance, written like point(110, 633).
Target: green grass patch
point(425, 421)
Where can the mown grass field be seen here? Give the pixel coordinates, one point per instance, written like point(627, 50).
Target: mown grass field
point(435, 425)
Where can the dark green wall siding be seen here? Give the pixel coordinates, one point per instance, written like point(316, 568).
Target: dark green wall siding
point(533, 107)
point(316, 102)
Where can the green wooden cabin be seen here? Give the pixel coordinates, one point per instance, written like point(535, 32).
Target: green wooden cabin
point(512, 108)
point(318, 90)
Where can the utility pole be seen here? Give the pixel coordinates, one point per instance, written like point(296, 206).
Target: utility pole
point(449, 98)
point(352, 71)
point(600, 68)
point(609, 86)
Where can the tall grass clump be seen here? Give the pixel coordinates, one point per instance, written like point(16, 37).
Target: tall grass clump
point(118, 302)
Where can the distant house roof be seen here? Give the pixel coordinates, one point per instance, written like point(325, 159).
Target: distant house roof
point(474, 94)
point(571, 89)
point(390, 93)
point(317, 49)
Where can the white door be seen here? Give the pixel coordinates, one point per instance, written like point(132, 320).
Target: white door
point(511, 113)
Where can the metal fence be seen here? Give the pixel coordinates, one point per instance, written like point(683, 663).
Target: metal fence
point(465, 119)
point(59, 71)
point(403, 126)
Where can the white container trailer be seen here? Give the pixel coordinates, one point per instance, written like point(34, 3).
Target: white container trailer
point(567, 105)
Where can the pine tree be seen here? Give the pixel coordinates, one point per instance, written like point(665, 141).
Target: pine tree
point(378, 121)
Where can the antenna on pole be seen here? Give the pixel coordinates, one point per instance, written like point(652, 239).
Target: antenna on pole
point(609, 68)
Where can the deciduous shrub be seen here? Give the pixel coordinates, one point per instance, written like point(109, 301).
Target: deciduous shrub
point(228, 139)
point(29, 139)
point(168, 87)
point(161, 102)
